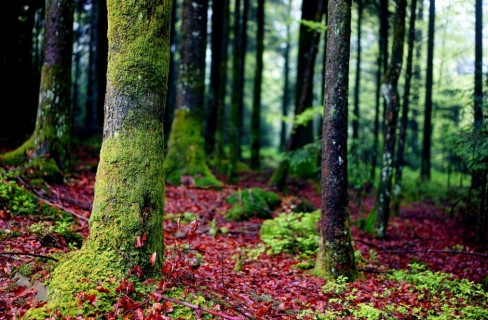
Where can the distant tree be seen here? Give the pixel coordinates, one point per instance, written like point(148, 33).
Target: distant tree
point(392, 98)
point(427, 137)
point(336, 255)
point(186, 154)
point(52, 132)
point(382, 65)
point(286, 76)
point(258, 79)
point(101, 51)
point(218, 76)
point(169, 110)
point(357, 82)
point(126, 220)
point(402, 136)
point(307, 52)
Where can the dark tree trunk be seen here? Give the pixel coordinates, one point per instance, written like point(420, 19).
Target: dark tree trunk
point(217, 38)
point(307, 52)
point(382, 66)
point(413, 124)
point(242, 76)
point(286, 85)
point(392, 98)
point(173, 74)
point(236, 95)
point(258, 78)
point(336, 255)
point(426, 141)
point(399, 163)
point(355, 120)
point(101, 59)
point(186, 148)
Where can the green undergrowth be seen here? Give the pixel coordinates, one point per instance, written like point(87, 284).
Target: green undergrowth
point(252, 202)
point(291, 233)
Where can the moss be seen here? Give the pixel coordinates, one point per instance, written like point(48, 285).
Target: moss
point(252, 202)
point(19, 155)
point(186, 155)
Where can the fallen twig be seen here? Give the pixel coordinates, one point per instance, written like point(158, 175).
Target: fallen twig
point(58, 206)
point(195, 307)
point(10, 253)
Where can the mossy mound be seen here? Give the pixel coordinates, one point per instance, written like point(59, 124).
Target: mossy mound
point(291, 232)
point(186, 156)
point(252, 202)
point(19, 155)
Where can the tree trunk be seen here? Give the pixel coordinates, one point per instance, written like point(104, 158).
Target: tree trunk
point(186, 154)
point(336, 255)
point(236, 95)
point(426, 141)
point(399, 163)
point(127, 216)
point(173, 74)
point(258, 78)
point(355, 120)
point(307, 52)
point(382, 66)
point(242, 77)
point(392, 98)
point(101, 58)
point(286, 76)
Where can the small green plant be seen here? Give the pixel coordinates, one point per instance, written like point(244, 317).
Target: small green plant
point(251, 202)
point(16, 199)
point(336, 287)
point(291, 232)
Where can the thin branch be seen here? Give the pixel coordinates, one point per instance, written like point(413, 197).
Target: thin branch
point(10, 253)
point(195, 307)
point(58, 206)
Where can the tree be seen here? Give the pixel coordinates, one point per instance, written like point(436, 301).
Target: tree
point(336, 255)
point(51, 135)
point(355, 120)
point(186, 154)
point(169, 109)
point(392, 98)
point(312, 11)
point(402, 137)
point(286, 85)
point(258, 79)
point(127, 216)
point(426, 140)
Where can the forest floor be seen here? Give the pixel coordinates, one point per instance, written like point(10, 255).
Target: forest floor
point(398, 276)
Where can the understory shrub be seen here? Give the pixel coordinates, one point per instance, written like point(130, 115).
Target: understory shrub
point(252, 202)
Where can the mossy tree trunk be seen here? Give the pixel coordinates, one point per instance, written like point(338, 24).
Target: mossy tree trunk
point(402, 137)
point(127, 216)
point(258, 79)
point(186, 154)
point(336, 255)
point(301, 135)
point(392, 98)
point(52, 131)
point(426, 140)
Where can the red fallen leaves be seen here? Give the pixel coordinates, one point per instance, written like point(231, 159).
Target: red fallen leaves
point(152, 258)
point(83, 296)
point(125, 286)
point(140, 240)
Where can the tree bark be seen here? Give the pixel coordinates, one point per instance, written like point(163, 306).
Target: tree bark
point(426, 141)
point(186, 153)
point(127, 216)
point(357, 83)
point(392, 98)
point(286, 85)
point(336, 255)
point(400, 162)
point(258, 78)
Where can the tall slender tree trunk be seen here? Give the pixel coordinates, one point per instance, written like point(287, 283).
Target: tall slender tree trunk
point(402, 138)
point(236, 95)
point(242, 76)
point(286, 75)
point(357, 83)
point(186, 148)
point(336, 255)
point(173, 74)
point(127, 216)
point(258, 78)
point(392, 98)
point(382, 66)
point(100, 62)
point(427, 138)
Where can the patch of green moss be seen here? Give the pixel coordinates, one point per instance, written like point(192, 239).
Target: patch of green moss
point(252, 202)
point(186, 155)
point(19, 155)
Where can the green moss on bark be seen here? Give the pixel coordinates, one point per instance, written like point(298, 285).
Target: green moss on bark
point(19, 155)
point(186, 156)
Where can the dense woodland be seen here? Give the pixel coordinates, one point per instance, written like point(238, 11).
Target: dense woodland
point(237, 159)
